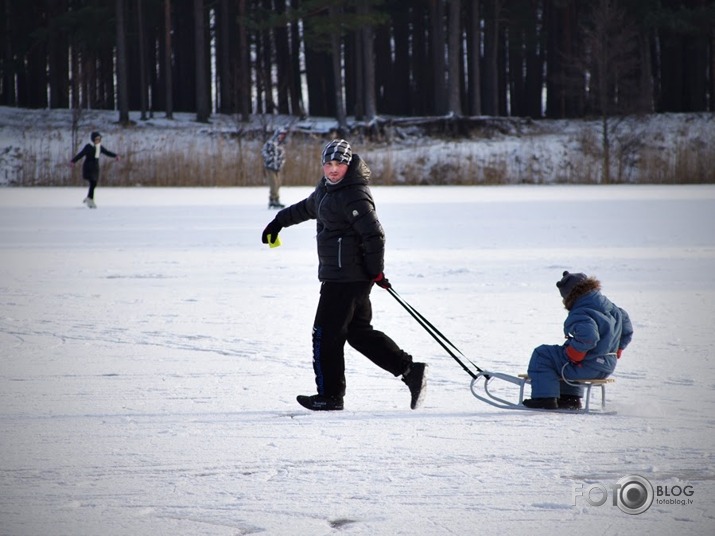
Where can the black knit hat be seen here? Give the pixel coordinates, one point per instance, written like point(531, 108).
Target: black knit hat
point(339, 150)
point(568, 282)
point(94, 135)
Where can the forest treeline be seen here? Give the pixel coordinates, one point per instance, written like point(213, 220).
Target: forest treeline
point(360, 58)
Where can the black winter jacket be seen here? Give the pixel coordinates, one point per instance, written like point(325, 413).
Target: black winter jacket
point(351, 241)
point(90, 167)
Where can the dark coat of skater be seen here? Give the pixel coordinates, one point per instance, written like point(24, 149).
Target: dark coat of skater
point(90, 168)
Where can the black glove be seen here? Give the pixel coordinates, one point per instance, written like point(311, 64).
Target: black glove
point(271, 229)
point(381, 281)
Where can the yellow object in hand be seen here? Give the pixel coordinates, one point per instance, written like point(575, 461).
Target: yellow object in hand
point(274, 243)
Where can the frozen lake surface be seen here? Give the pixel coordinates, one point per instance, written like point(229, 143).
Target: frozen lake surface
point(151, 351)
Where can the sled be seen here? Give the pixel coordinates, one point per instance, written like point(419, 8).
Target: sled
point(520, 381)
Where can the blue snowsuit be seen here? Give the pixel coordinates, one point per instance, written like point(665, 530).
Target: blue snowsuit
point(594, 326)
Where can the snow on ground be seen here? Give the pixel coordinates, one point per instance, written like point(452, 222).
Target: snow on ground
point(151, 351)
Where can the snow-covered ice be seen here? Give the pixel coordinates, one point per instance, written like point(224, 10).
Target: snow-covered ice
point(151, 351)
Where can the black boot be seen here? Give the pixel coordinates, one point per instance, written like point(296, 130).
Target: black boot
point(416, 379)
point(320, 402)
point(541, 403)
point(569, 402)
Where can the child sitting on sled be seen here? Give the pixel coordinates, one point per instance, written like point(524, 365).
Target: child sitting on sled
point(596, 331)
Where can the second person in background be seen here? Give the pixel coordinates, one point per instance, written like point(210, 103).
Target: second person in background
point(274, 158)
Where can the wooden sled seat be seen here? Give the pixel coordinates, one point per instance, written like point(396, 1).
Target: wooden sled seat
point(586, 383)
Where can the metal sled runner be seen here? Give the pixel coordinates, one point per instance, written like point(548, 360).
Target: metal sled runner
point(522, 380)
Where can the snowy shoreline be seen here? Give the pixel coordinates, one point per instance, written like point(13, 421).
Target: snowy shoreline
point(35, 146)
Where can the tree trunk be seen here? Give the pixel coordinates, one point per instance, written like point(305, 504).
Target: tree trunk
point(696, 66)
point(712, 68)
point(35, 68)
point(491, 56)
point(393, 83)
point(440, 103)
point(368, 57)
point(263, 90)
point(58, 59)
point(475, 54)
point(645, 102)
point(336, 57)
point(9, 97)
point(296, 86)
point(454, 41)
point(282, 63)
point(168, 85)
point(223, 58)
point(244, 76)
point(122, 93)
point(421, 89)
point(516, 61)
point(202, 94)
point(142, 62)
point(535, 44)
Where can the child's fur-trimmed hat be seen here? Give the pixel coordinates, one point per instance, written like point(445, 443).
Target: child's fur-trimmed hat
point(568, 282)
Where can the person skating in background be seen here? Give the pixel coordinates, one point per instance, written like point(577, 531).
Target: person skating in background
point(351, 248)
point(90, 167)
point(273, 153)
point(596, 331)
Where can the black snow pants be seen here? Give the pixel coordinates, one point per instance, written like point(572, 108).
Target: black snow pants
point(90, 173)
point(344, 314)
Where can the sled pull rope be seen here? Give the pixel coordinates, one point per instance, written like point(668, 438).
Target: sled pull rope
point(443, 341)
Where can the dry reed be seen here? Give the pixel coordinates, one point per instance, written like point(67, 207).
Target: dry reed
point(218, 159)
